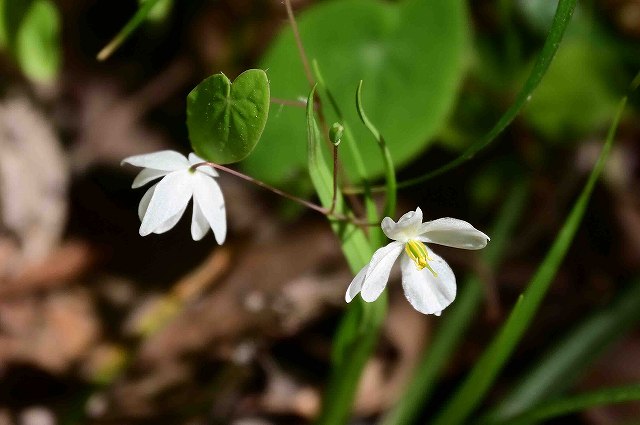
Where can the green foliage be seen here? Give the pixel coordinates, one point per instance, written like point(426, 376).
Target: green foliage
point(561, 20)
point(389, 168)
point(358, 332)
point(160, 11)
point(479, 380)
point(225, 120)
point(410, 54)
point(457, 321)
point(30, 29)
point(570, 104)
point(578, 403)
point(559, 369)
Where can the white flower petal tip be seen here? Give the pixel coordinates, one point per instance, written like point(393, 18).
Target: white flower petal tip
point(162, 160)
point(453, 232)
point(428, 282)
point(164, 203)
point(356, 285)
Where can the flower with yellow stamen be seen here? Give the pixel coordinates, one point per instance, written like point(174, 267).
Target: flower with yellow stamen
point(427, 280)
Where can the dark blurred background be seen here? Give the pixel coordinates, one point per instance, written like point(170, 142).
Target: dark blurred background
point(99, 325)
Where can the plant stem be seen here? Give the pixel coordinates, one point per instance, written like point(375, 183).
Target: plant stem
point(324, 211)
point(296, 35)
point(335, 179)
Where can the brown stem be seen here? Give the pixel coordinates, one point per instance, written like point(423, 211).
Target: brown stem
point(296, 35)
point(324, 211)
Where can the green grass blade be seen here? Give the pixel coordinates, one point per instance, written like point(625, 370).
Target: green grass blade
point(389, 169)
point(564, 11)
point(137, 19)
point(355, 245)
point(375, 234)
point(578, 403)
point(559, 369)
point(474, 388)
point(457, 321)
point(358, 332)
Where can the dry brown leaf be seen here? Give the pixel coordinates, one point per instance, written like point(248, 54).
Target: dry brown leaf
point(33, 183)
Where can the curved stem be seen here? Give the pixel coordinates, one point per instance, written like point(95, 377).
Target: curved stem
point(296, 35)
point(332, 216)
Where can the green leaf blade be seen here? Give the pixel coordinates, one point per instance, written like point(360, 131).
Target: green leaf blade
point(478, 382)
point(225, 120)
point(577, 403)
point(560, 368)
point(457, 321)
point(561, 20)
point(359, 329)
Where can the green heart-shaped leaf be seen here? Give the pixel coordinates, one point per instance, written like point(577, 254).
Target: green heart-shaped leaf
point(225, 121)
point(411, 55)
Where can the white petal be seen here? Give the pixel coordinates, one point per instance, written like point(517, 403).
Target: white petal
point(207, 169)
point(172, 221)
point(427, 293)
point(453, 232)
point(356, 284)
point(147, 175)
point(163, 160)
point(379, 269)
point(208, 195)
point(199, 224)
point(406, 228)
point(144, 202)
point(170, 197)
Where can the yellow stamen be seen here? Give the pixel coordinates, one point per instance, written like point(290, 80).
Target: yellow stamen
point(418, 252)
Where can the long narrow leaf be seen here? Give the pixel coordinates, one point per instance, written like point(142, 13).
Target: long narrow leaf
point(133, 23)
point(457, 321)
point(358, 332)
point(559, 369)
point(475, 387)
point(564, 11)
point(354, 242)
point(578, 403)
point(389, 169)
point(375, 234)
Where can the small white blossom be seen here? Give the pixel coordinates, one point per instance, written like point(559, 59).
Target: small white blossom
point(427, 280)
point(165, 202)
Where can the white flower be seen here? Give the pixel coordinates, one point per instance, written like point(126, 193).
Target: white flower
point(164, 203)
point(427, 280)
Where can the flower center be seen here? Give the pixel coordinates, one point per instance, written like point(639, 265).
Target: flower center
point(417, 251)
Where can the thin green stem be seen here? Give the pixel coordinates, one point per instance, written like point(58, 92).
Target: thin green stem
point(126, 31)
point(371, 211)
point(335, 178)
point(390, 172)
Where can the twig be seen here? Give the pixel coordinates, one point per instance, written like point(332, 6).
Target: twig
point(296, 35)
point(324, 211)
